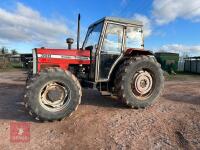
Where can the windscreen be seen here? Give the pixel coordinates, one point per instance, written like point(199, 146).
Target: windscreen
point(93, 35)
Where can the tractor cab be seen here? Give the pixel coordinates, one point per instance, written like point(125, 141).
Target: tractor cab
point(108, 40)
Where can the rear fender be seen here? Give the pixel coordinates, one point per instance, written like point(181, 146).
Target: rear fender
point(135, 52)
point(129, 53)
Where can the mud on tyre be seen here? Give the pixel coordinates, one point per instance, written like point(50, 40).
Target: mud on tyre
point(52, 95)
point(139, 81)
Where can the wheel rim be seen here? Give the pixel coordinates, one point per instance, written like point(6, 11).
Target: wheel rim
point(54, 96)
point(142, 84)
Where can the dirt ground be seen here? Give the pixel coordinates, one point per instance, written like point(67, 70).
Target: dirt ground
point(104, 123)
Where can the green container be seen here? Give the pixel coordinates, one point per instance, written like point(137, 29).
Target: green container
point(168, 61)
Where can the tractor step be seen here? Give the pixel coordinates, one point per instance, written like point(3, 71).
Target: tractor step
point(88, 84)
point(105, 93)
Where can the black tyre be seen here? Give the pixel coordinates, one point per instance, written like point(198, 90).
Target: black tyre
point(139, 81)
point(29, 76)
point(52, 95)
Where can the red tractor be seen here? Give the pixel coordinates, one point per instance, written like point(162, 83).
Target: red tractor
point(112, 59)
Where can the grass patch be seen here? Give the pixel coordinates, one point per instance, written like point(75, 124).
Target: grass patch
point(183, 76)
point(10, 66)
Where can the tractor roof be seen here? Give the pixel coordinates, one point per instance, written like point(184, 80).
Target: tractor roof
point(119, 20)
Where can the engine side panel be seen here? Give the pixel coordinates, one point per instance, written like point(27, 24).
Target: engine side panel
point(59, 58)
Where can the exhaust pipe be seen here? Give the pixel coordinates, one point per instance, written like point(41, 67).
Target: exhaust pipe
point(78, 31)
point(69, 41)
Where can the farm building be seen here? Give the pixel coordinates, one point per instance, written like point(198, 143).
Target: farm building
point(192, 64)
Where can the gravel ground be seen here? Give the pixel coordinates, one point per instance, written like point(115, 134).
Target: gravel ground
point(104, 123)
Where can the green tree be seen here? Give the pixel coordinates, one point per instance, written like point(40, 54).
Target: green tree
point(4, 50)
point(14, 52)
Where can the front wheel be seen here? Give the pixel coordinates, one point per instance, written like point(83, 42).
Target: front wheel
point(139, 82)
point(53, 95)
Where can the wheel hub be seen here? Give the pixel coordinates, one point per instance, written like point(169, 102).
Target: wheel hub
point(142, 82)
point(54, 95)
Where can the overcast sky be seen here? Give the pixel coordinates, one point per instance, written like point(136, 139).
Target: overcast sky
point(170, 25)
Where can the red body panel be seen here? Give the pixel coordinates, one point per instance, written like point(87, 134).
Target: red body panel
point(61, 57)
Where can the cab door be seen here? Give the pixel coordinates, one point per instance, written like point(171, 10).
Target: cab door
point(110, 50)
point(91, 43)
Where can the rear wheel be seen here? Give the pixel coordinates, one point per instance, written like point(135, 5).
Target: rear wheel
point(53, 95)
point(139, 82)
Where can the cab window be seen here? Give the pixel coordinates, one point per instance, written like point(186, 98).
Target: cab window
point(134, 37)
point(113, 39)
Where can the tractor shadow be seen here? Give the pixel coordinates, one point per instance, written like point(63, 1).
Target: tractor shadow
point(93, 97)
point(183, 98)
point(11, 103)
